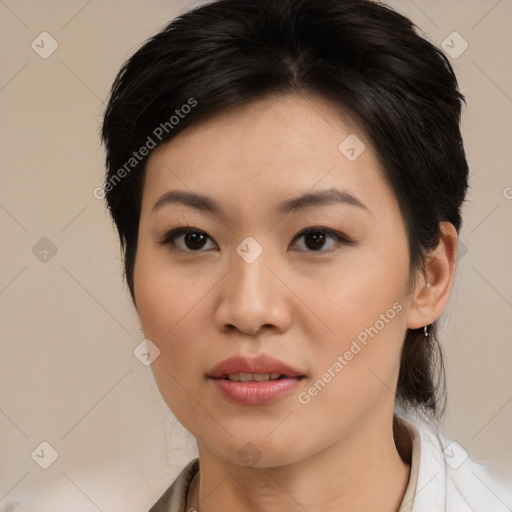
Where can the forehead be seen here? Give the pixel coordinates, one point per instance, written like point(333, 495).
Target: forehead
point(258, 154)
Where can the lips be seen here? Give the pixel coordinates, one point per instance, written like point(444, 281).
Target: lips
point(256, 381)
point(259, 365)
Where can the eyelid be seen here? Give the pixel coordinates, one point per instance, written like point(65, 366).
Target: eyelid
point(329, 231)
point(184, 229)
point(342, 239)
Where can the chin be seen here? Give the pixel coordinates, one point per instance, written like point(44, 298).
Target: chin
point(259, 452)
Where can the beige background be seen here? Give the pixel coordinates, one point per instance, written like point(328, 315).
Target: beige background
point(68, 373)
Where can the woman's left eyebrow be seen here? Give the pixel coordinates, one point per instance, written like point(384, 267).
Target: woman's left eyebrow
point(322, 197)
point(306, 200)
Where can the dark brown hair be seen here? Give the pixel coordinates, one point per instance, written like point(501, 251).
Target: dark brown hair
point(360, 55)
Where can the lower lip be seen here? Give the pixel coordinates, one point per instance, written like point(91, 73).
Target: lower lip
point(255, 393)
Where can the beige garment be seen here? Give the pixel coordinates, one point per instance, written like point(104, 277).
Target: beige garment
point(410, 491)
point(175, 497)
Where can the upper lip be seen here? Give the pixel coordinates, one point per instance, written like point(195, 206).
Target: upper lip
point(259, 364)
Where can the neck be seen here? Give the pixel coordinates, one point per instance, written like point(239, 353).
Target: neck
point(362, 471)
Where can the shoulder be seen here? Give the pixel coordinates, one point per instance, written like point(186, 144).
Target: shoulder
point(450, 480)
point(174, 499)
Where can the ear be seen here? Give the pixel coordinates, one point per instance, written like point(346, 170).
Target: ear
point(432, 289)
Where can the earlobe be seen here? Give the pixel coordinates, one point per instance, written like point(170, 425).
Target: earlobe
point(433, 287)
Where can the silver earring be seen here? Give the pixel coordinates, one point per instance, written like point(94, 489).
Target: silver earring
point(425, 331)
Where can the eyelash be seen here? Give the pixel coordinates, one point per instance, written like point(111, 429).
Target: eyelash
point(168, 239)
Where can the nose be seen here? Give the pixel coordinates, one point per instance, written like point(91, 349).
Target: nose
point(253, 298)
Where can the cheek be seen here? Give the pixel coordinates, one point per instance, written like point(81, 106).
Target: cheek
point(165, 294)
point(363, 315)
point(170, 318)
point(352, 295)
point(356, 370)
point(169, 305)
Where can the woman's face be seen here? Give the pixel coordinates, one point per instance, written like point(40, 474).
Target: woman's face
point(248, 282)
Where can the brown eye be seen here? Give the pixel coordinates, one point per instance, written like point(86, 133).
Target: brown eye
point(315, 239)
point(193, 240)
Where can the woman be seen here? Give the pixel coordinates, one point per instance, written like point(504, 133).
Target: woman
point(286, 178)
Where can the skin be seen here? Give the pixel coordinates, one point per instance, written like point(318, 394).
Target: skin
point(305, 307)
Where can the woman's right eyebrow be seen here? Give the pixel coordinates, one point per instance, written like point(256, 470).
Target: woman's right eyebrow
point(198, 201)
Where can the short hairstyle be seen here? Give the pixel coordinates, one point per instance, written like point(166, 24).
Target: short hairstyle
point(360, 55)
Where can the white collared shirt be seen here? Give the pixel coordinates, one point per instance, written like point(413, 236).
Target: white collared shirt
point(445, 479)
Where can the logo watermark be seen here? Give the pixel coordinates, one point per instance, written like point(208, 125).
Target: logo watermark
point(304, 397)
point(156, 136)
